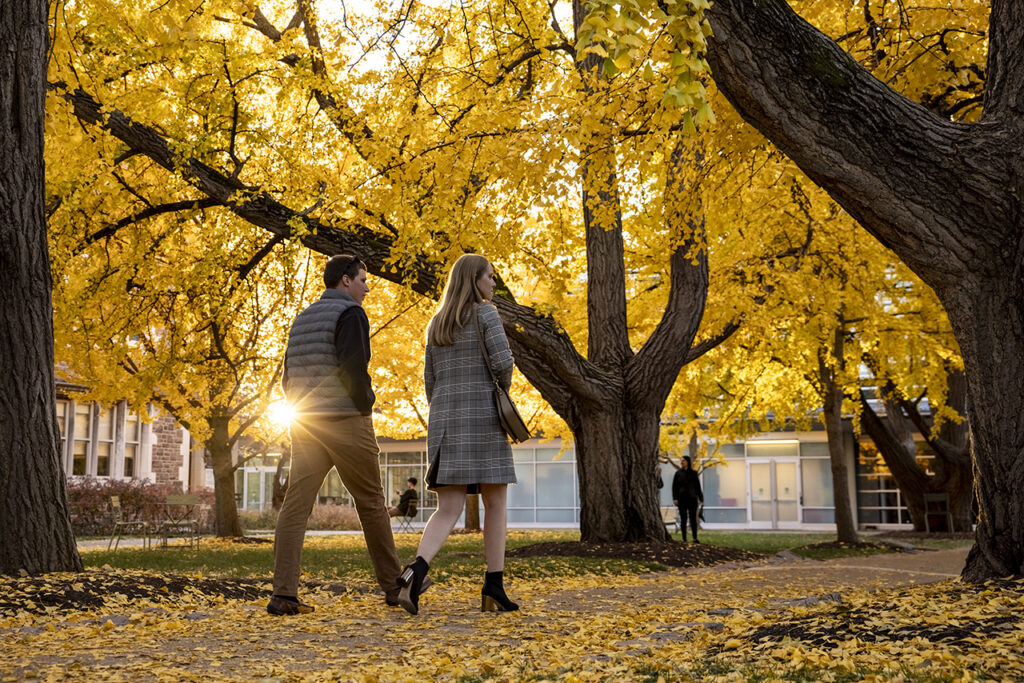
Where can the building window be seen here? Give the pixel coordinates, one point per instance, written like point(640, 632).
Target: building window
point(105, 432)
point(62, 423)
point(82, 439)
point(879, 500)
point(725, 490)
point(132, 442)
point(104, 442)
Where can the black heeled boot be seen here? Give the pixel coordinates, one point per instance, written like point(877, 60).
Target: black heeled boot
point(412, 585)
point(492, 595)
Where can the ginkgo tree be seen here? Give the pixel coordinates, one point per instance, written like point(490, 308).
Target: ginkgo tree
point(465, 137)
point(944, 195)
point(168, 302)
point(476, 137)
point(35, 525)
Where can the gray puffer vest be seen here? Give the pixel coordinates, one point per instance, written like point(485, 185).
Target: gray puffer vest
point(313, 382)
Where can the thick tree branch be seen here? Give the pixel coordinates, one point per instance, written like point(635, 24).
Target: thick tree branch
point(157, 210)
point(699, 349)
point(932, 190)
point(653, 370)
point(1004, 89)
point(901, 462)
point(564, 368)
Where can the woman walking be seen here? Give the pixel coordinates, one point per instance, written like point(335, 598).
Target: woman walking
point(467, 449)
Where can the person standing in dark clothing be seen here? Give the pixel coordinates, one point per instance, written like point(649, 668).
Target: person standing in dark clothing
point(687, 496)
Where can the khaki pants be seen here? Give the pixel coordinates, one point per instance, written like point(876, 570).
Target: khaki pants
point(349, 444)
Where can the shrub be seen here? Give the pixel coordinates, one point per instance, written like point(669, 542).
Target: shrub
point(333, 517)
point(325, 517)
point(89, 502)
point(258, 520)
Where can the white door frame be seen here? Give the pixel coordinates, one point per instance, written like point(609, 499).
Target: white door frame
point(775, 522)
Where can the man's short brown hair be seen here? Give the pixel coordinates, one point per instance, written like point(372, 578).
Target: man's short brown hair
point(339, 266)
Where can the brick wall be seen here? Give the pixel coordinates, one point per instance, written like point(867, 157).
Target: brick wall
point(167, 460)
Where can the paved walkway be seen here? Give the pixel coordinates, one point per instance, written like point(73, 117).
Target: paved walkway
point(564, 625)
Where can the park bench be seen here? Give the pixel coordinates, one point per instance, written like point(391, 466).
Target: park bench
point(670, 518)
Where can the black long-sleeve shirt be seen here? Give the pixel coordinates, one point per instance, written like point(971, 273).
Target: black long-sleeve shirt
point(352, 346)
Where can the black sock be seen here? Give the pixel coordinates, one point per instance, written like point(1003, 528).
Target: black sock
point(289, 598)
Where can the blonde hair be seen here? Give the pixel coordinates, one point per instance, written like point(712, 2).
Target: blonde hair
point(460, 293)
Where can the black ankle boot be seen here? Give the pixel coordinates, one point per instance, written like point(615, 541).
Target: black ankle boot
point(492, 595)
point(411, 581)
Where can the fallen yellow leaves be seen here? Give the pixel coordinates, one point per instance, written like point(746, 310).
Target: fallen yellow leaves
point(671, 626)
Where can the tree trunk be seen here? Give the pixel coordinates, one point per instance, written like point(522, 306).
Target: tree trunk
point(990, 329)
point(901, 461)
point(846, 529)
point(225, 508)
point(952, 466)
point(472, 512)
point(946, 197)
point(35, 525)
point(958, 474)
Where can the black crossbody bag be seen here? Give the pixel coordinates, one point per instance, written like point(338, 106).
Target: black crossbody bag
point(511, 421)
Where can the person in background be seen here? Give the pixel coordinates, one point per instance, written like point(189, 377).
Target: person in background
point(467, 449)
point(687, 495)
point(408, 496)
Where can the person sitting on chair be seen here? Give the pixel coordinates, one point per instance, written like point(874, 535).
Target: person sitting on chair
point(408, 496)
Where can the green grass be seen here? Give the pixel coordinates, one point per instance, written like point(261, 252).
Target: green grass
point(767, 543)
point(344, 556)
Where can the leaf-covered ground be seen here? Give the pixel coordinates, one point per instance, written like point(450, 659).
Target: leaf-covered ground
point(893, 617)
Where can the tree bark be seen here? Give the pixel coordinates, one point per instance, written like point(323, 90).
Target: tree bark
point(472, 518)
point(944, 196)
point(219, 445)
point(35, 524)
point(846, 529)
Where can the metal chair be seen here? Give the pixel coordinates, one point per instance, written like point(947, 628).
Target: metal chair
point(180, 520)
point(937, 504)
point(405, 521)
point(122, 525)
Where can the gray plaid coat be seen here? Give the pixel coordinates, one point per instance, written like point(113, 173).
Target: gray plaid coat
point(465, 442)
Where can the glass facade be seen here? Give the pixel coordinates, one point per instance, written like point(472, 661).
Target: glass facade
point(765, 484)
point(879, 501)
point(760, 484)
point(547, 493)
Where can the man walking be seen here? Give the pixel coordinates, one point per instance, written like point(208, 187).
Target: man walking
point(327, 383)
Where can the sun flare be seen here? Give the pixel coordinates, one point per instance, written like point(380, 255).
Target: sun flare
point(281, 413)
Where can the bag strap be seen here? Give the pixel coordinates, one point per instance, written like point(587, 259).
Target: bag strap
point(483, 347)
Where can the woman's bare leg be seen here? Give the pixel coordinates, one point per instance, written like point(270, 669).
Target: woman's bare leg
point(450, 500)
point(495, 525)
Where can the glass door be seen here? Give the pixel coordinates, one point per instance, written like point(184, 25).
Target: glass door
point(774, 493)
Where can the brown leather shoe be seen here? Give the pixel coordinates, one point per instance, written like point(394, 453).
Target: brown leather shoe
point(279, 606)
